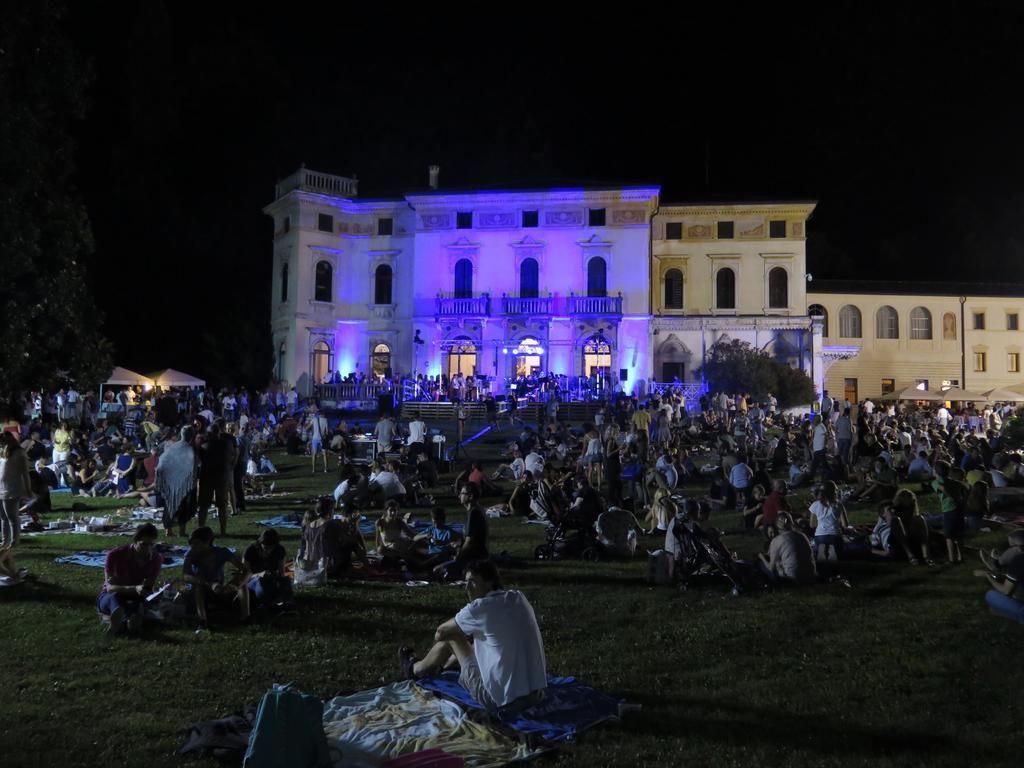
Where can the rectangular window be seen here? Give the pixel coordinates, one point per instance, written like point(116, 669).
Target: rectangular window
point(777, 228)
point(1013, 362)
point(979, 321)
point(596, 217)
point(325, 222)
point(674, 230)
point(286, 224)
point(464, 220)
point(385, 226)
point(531, 219)
point(888, 385)
point(979, 362)
point(725, 230)
point(1012, 321)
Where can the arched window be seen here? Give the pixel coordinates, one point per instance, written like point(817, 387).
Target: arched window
point(725, 289)
point(284, 283)
point(887, 323)
point(324, 279)
point(280, 360)
point(382, 285)
point(597, 277)
point(321, 362)
point(778, 288)
point(949, 327)
point(527, 356)
point(920, 323)
point(816, 310)
point(463, 279)
point(849, 322)
point(381, 362)
point(674, 289)
point(529, 279)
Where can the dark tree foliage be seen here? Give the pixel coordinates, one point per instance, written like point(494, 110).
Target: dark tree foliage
point(735, 366)
point(49, 329)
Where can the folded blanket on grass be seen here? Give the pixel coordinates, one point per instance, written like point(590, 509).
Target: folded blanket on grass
point(173, 558)
point(373, 726)
point(568, 709)
point(282, 521)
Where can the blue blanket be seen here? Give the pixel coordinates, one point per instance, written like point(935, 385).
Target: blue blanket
point(569, 707)
point(367, 526)
point(97, 559)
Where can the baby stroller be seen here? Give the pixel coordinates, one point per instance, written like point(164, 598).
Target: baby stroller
point(566, 539)
point(700, 553)
point(616, 532)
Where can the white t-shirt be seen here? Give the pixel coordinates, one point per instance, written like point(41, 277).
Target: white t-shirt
point(820, 433)
point(518, 467)
point(535, 463)
point(869, 407)
point(417, 432)
point(389, 483)
point(828, 519)
point(506, 644)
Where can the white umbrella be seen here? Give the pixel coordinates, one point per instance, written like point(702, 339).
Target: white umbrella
point(956, 394)
point(1004, 396)
point(911, 392)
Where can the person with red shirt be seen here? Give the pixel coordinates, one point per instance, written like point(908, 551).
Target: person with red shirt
point(130, 573)
point(774, 504)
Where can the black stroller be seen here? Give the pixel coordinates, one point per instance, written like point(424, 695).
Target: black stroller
point(700, 553)
point(612, 535)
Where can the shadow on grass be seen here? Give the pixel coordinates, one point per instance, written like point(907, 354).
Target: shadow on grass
point(742, 724)
point(35, 591)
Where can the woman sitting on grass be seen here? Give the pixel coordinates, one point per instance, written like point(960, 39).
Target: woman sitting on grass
point(915, 526)
point(320, 541)
point(396, 538)
point(828, 519)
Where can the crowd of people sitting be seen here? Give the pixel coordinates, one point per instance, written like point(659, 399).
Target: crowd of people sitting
point(663, 467)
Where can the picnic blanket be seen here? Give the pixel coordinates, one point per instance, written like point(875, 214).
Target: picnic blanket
point(569, 707)
point(380, 724)
point(173, 558)
point(367, 525)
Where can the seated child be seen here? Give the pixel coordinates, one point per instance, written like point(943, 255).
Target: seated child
point(203, 570)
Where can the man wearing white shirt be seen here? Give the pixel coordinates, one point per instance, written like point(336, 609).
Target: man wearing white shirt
point(417, 432)
point(869, 407)
point(503, 668)
point(942, 416)
point(317, 426)
point(819, 441)
point(535, 463)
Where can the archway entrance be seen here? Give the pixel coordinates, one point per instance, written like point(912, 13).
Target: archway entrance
point(528, 357)
point(462, 356)
point(670, 360)
point(321, 363)
point(381, 361)
point(597, 356)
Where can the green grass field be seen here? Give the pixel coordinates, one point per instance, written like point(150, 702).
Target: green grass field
point(906, 667)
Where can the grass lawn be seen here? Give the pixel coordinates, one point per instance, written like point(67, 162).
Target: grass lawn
point(906, 667)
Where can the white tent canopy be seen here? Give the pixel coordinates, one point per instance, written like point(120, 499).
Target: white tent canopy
point(123, 377)
point(1004, 396)
point(169, 377)
point(955, 394)
point(911, 392)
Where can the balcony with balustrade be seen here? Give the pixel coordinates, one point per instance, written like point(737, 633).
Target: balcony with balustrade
point(594, 305)
point(530, 306)
point(314, 181)
point(477, 305)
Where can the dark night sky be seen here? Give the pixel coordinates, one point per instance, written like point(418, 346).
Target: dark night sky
point(903, 122)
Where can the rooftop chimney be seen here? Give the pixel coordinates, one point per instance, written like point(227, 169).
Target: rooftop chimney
point(435, 170)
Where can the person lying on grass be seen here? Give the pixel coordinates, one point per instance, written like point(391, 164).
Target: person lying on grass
point(1004, 575)
point(889, 537)
point(204, 574)
point(494, 641)
point(130, 574)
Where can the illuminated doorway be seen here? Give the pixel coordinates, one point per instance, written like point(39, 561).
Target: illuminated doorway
point(321, 362)
point(381, 361)
point(597, 356)
point(528, 357)
point(461, 357)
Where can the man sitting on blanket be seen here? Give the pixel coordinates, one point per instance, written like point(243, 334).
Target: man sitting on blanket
point(494, 641)
point(130, 574)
